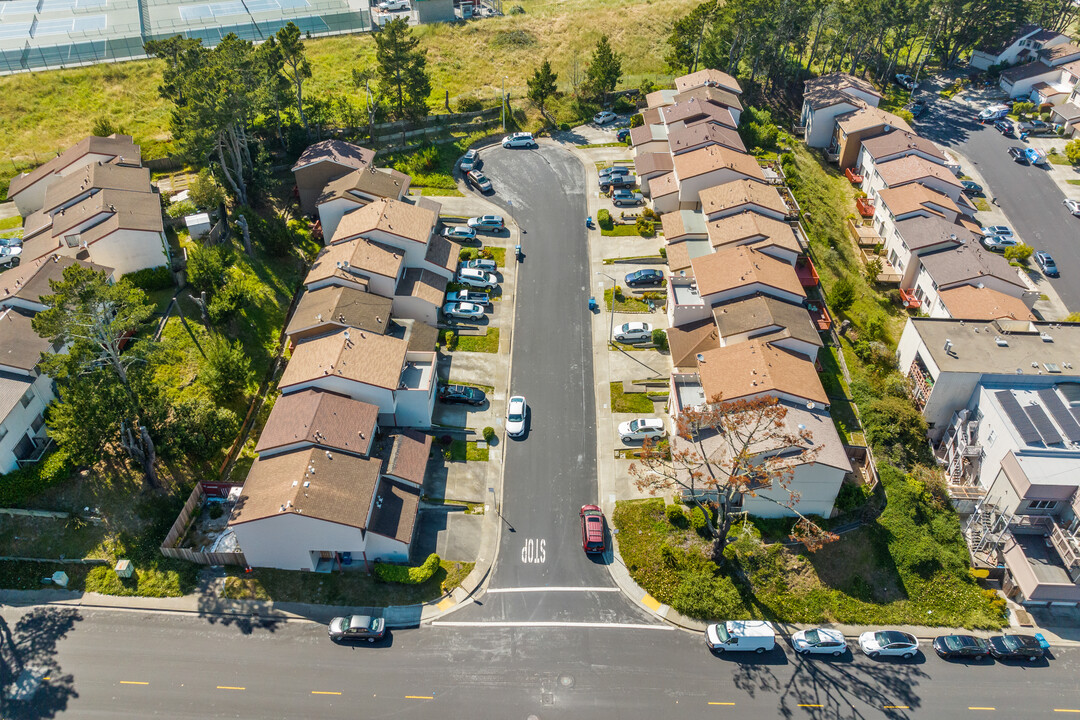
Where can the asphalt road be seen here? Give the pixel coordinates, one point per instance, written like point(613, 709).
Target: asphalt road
point(108, 664)
point(541, 573)
point(1027, 194)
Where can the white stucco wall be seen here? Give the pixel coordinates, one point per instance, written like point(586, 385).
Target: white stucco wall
point(414, 407)
point(32, 198)
point(414, 251)
point(820, 123)
point(128, 251)
point(286, 541)
point(817, 486)
point(767, 212)
point(380, 547)
point(330, 214)
point(19, 419)
point(733, 293)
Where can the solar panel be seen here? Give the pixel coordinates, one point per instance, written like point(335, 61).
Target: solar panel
point(1065, 421)
point(1016, 416)
point(1042, 423)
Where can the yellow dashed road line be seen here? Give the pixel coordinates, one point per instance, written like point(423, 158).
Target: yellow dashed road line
point(896, 707)
point(720, 703)
point(228, 687)
point(324, 692)
point(133, 682)
point(419, 697)
point(981, 708)
point(809, 705)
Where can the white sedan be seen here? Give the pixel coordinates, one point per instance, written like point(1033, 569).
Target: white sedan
point(633, 332)
point(641, 429)
point(463, 310)
point(888, 642)
point(604, 117)
point(1072, 206)
point(516, 410)
point(819, 641)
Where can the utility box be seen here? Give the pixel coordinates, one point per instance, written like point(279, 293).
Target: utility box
point(124, 568)
point(198, 225)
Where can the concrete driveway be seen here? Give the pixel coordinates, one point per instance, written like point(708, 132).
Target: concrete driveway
point(1027, 195)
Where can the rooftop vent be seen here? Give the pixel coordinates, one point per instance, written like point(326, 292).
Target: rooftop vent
point(1052, 367)
point(1046, 337)
point(1001, 342)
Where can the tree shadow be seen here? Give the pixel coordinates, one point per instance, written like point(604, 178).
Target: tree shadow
point(32, 685)
point(258, 615)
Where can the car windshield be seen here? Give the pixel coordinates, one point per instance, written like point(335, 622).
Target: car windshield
point(516, 412)
point(722, 633)
point(812, 636)
point(889, 637)
point(953, 642)
point(635, 425)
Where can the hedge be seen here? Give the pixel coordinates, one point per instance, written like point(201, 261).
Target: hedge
point(408, 575)
point(17, 486)
point(151, 279)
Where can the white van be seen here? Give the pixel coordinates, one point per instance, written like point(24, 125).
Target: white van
point(740, 636)
point(993, 112)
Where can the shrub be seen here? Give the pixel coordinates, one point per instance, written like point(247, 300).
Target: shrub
point(408, 575)
point(875, 327)
point(489, 434)
point(1020, 253)
point(663, 252)
point(215, 511)
point(516, 10)
point(843, 294)
point(24, 483)
point(230, 299)
point(659, 338)
point(151, 279)
point(897, 431)
point(206, 267)
point(181, 209)
point(873, 269)
point(645, 227)
point(1072, 151)
point(469, 104)
point(201, 429)
point(226, 371)
point(698, 521)
point(757, 129)
point(851, 497)
point(637, 121)
point(623, 105)
point(676, 516)
point(700, 594)
point(564, 126)
point(205, 191)
point(604, 220)
point(648, 212)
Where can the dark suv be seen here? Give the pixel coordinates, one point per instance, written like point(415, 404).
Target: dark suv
point(462, 394)
point(1006, 127)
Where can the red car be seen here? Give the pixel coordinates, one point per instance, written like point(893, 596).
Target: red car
point(592, 529)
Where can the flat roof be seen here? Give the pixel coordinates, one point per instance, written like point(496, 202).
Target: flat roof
point(976, 347)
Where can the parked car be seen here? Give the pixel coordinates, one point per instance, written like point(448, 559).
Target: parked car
point(916, 108)
point(614, 182)
point(604, 117)
point(1016, 647)
point(740, 636)
point(644, 277)
point(1046, 264)
point(393, 5)
point(519, 139)
point(463, 310)
point(479, 181)
point(9, 256)
point(484, 264)
point(971, 189)
point(888, 642)
point(459, 232)
point(462, 394)
point(614, 170)
point(11, 242)
point(819, 641)
point(1073, 206)
point(993, 112)
point(623, 135)
point(634, 332)
point(905, 81)
point(353, 628)
point(1018, 154)
point(1036, 127)
point(1005, 127)
point(997, 230)
point(469, 296)
point(476, 278)
point(470, 160)
point(624, 196)
point(961, 646)
point(592, 529)
point(487, 222)
point(642, 429)
point(516, 411)
point(999, 242)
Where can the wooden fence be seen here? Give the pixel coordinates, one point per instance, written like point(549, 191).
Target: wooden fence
point(35, 513)
point(179, 528)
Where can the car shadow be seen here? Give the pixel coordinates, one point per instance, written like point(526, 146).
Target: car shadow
point(773, 657)
point(844, 658)
point(918, 659)
point(386, 642)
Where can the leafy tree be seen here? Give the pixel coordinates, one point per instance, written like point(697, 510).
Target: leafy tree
point(1019, 253)
point(1072, 151)
point(201, 428)
point(728, 450)
point(402, 71)
point(104, 127)
point(205, 191)
point(686, 37)
point(93, 319)
point(542, 85)
point(207, 267)
point(295, 64)
point(843, 294)
point(605, 69)
point(227, 370)
point(181, 56)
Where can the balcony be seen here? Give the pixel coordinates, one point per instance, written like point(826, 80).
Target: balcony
point(909, 300)
point(853, 177)
point(832, 154)
point(819, 314)
point(888, 275)
point(798, 130)
point(419, 371)
point(864, 235)
point(687, 392)
point(921, 383)
point(804, 268)
point(865, 206)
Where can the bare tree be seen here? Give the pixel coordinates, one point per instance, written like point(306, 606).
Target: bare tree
point(729, 450)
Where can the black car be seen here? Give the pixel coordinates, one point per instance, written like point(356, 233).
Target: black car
point(623, 135)
point(961, 646)
point(1018, 154)
point(916, 108)
point(644, 277)
point(1016, 647)
point(971, 188)
point(462, 394)
point(1006, 127)
point(353, 628)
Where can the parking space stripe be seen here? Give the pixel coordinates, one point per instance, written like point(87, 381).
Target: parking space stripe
point(324, 692)
point(133, 682)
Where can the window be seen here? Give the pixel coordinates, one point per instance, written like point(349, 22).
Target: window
point(27, 397)
point(3, 432)
point(991, 438)
point(1042, 504)
point(39, 421)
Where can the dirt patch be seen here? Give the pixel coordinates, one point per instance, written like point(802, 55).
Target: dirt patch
point(851, 566)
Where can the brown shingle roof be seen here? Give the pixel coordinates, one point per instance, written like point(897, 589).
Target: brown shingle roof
point(968, 262)
point(906, 169)
point(334, 306)
point(345, 260)
point(831, 89)
point(714, 95)
point(1026, 71)
point(716, 157)
point(20, 346)
point(396, 217)
point(650, 163)
point(968, 302)
point(387, 183)
point(99, 176)
point(739, 227)
point(707, 76)
point(695, 110)
point(687, 136)
point(924, 232)
point(365, 358)
point(1060, 51)
point(340, 489)
point(443, 252)
point(30, 280)
point(742, 266)
point(761, 311)
point(114, 146)
point(408, 456)
point(741, 192)
point(678, 257)
point(662, 185)
point(320, 418)
point(914, 196)
point(394, 513)
point(898, 141)
point(336, 151)
point(687, 341)
point(869, 117)
point(641, 134)
point(755, 367)
point(423, 284)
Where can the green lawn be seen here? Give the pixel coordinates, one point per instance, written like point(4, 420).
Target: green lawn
point(1073, 182)
point(1057, 159)
point(621, 231)
point(467, 451)
point(11, 223)
point(981, 204)
point(487, 343)
point(348, 588)
point(498, 254)
point(441, 192)
point(629, 402)
point(625, 303)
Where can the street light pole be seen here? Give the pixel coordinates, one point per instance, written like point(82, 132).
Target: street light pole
point(611, 324)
